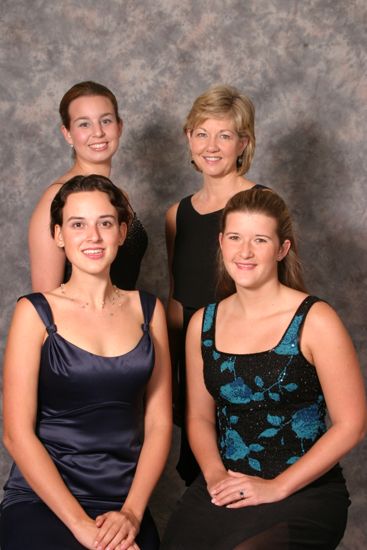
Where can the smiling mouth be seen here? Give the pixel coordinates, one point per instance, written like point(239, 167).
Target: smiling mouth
point(212, 159)
point(245, 266)
point(93, 252)
point(99, 146)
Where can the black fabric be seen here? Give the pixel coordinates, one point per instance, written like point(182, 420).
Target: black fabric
point(311, 519)
point(194, 276)
point(33, 526)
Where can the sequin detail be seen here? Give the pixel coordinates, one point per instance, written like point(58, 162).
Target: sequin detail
point(265, 402)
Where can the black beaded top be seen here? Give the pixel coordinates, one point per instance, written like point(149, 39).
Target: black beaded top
point(270, 406)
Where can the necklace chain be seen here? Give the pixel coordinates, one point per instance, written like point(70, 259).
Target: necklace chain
point(115, 299)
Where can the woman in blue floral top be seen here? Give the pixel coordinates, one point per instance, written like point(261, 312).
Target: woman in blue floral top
point(263, 366)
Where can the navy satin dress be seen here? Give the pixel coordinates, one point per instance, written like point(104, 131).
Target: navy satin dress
point(90, 419)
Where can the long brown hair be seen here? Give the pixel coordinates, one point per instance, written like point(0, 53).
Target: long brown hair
point(263, 201)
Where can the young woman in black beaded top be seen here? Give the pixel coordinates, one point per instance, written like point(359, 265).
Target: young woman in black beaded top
point(263, 366)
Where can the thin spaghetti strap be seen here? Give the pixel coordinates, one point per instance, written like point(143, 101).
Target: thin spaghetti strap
point(42, 307)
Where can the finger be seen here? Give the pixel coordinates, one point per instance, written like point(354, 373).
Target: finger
point(235, 474)
point(230, 494)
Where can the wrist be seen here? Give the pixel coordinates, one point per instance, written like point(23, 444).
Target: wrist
point(133, 513)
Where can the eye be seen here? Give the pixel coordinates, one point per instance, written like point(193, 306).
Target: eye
point(233, 237)
point(106, 121)
point(200, 135)
point(83, 124)
point(260, 240)
point(77, 225)
point(225, 136)
point(106, 223)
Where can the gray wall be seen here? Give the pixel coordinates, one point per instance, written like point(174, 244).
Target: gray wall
point(304, 65)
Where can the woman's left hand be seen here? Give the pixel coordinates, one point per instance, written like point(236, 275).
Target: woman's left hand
point(240, 490)
point(117, 531)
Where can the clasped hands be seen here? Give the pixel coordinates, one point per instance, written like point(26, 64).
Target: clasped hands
point(116, 531)
point(237, 490)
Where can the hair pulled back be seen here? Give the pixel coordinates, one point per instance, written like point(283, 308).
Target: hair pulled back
point(268, 203)
point(82, 89)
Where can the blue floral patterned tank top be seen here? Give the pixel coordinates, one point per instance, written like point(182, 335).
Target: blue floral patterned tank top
point(270, 406)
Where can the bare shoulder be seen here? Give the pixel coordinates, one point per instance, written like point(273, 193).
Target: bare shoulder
point(25, 315)
point(322, 316)
point(172, 213)
point(196, 321)
point(47, 197)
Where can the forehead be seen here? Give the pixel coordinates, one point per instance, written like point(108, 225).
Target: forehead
point(218, 123)
point(89, 105)
point(85, 202)
point(251, 222)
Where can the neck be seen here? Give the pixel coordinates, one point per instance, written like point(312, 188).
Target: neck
point(256, 303)
point(89, 289)
point(85, 169)
point(223, 188)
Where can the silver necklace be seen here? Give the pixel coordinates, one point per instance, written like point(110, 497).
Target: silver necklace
point(115, 299)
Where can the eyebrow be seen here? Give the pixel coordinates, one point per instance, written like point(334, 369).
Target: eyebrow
point(88, 118)
point(102, 217)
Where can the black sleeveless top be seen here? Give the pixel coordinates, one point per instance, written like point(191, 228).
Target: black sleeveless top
point(270, 406)
point(194, 266)
point(90, 414)
point(126, 266)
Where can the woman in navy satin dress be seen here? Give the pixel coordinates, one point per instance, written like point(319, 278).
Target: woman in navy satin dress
point(86, 392)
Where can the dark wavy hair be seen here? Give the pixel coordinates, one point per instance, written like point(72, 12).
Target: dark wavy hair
point(93, 182)
point(263, 201)
point(82, 89)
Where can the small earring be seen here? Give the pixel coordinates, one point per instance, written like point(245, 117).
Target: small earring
point(239, 161)
point(71, 145)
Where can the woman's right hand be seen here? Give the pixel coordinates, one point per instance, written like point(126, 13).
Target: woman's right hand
point(86, 532)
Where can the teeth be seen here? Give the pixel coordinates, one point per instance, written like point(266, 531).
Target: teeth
point(93, 251)
point(212, 158)
point(98, 145)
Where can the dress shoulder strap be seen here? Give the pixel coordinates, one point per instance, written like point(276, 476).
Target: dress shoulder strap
point(184, 209)
point(208, 326)
point(42, 307)
point(148, 302)
point(289, 344)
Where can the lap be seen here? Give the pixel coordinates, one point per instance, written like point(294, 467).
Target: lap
point(314, 517)
point(34, 526)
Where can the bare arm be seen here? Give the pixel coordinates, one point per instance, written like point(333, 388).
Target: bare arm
point(21, 368)
point(47, 260)
point(327, 345)
point(201, 424)
point(157, 439)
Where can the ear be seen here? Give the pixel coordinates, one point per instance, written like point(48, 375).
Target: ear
point(58, 237)
point(220, 239)
point(121, 125)
point(243, 144)
point(67, 136)
point(123, 233)
point(283, 250)
point(189, 136)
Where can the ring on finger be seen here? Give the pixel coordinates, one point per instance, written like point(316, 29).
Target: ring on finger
point(242, 494)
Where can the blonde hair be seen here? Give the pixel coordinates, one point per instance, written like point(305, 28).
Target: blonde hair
point(264, 201)
point(225, 101)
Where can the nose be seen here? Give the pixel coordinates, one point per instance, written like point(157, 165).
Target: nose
point(246, 249)
point(212, 143)
point(98, 130)
point(93, 233)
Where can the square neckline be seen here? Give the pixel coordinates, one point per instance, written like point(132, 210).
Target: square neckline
point(257, 352)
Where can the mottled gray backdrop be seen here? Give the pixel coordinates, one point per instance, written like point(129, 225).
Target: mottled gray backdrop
point(304, 65)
